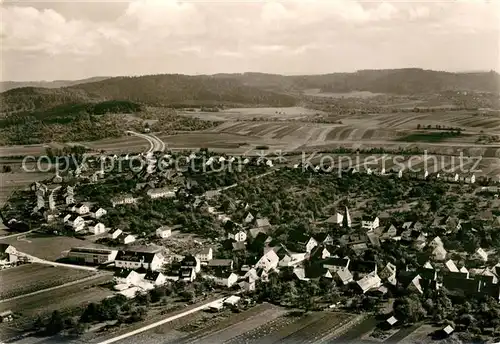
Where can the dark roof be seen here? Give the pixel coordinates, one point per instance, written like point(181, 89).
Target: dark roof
point(221, 273)
point(186, 272)
point(123, 273)
point(135, 256)
point(3, 247)
point(321, 237)
point(91, 250)
point(189, 260)
point(152, 275)
point(362, 266)
point(335, 261)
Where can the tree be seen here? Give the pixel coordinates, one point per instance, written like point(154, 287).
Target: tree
point(409, 309)
point(55, 324)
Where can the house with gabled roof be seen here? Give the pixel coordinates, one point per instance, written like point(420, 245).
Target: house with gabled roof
point(97, 212)
point(480, 254)
point(138, 259)
point(223, 278)
point(155, 277)
point(205, 255)
point(76, 222)
point(451, 266)
point(336, 263)
point(370, 281)
point(370, 223)
point(268, 261)
point(439, 253)
point(342, 276)
point(388, 274)
point(80, 209)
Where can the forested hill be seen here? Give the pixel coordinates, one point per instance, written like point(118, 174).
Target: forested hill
point(8, 85)
point(247, 89)
point(396, 81)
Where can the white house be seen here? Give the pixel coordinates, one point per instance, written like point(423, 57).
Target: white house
point(155, 277)
point(75, 221)
point(249, 218)
point(439, 253)
point(225, 279)
point(370, 281)
point(337, 219)
point(8, 254)
point(70, 199)
point(116, 234)
point(80, 209)
point(126, 238)
point(163, 232)
point(481, 255)
point(370, 223)
point(238, 235)
point(161, 193)
point(205, 255)
point(98, 212)
point(311, 243)
point(268, 261)
point(137, 259)
point(128, 277)
point(97, 228)
point(292, 259)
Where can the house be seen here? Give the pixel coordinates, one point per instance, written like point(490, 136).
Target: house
point(8, 254)
point(237, 235)
point(161, 193)
point(205, 255)
point(90, 255)
point(336, 219)
point(191, 262)
point(80, 209)
point(187, 274)
point(116, 234)
point(97, 212)
point(123, 199)
point(388, 274)
point(451, 177)
point(324, 238)
point(370, 281)
point(311, 243)
point(75, 221)
point(70, 199)
point(370, 223)
point(97, 228)
point(6, 316)
point(439, 253)
point(125, 276)
point(469, 178)
point(336, 263)
point(155, 277)
point(390, 233)
point(247, 284)
point(481, 254)
point(249, 218)
point(391, 321)
point(263, 223)
point(223, 278)
point(342, 275)
point(163, 232)
point(126, 239)
point(436, 242)
point(221, 264)
point(268, 261)
point(292, 259)
point(137, 259)
point(447, 330)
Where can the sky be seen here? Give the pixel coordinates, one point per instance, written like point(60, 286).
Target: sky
point(68, 39)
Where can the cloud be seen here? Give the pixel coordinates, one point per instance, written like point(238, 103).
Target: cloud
point(260, 34)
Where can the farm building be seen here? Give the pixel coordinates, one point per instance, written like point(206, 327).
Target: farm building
point(91, 255)
point(136, 259)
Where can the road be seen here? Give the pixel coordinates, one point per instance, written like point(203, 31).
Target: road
point(155, 144)
point(15, 235)
point(161, 322)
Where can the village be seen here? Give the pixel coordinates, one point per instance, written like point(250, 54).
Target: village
point(368, 258)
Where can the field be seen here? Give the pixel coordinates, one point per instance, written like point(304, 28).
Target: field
point(248, 114)
point(61, 299)
point(47, 247)
point(29, 278)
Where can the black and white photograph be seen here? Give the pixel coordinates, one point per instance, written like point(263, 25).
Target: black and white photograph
point(250, 171)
